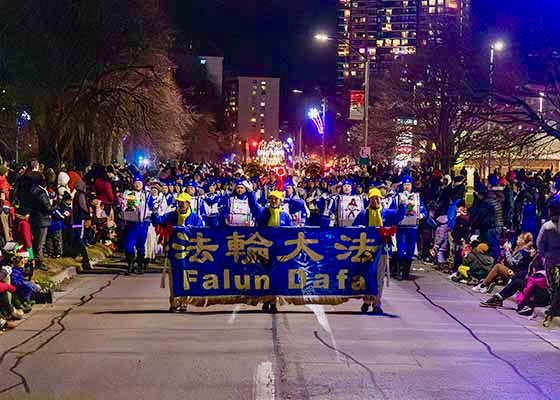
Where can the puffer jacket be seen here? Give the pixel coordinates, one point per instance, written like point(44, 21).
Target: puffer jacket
point(41, 207)
point(441, 241)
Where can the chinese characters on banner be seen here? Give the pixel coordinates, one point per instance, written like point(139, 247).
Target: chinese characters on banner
point(260, 262)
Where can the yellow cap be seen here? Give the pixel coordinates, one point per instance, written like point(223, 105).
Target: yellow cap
point(184, 197)
point(374, 193)
point(276, 193)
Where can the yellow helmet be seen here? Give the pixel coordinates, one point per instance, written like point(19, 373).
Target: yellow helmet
point(276, 193)
point(184, 197)
point(374, 193)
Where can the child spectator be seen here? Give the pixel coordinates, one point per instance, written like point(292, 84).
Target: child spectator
point(475, 266)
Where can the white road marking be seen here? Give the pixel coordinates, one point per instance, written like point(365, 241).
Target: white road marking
point(321, 316)
point(233, 315)
point(264, 382)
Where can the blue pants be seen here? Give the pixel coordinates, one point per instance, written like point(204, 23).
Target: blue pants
point(406, 243)
point(212, 221)
point(494, 242)
point(135, 237)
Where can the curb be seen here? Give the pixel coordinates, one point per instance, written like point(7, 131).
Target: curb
point(64, 275)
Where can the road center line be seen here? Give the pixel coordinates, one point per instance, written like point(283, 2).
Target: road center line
point(265, 382)
point(233, 315)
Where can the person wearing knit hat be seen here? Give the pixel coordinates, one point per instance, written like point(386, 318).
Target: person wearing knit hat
point(407, 229)
point(342, 209)
point(183, 216)
point(377, 216)
point(241, 207)
point(475, 266)
point(212, 202)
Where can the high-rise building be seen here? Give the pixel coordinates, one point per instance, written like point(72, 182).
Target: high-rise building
point(389, 30)
point(215, 69)
point(252, 109)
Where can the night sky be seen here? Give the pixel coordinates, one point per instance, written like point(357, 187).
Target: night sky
point(274, 37)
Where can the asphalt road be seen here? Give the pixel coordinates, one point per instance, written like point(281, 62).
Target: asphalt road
point(110, 337)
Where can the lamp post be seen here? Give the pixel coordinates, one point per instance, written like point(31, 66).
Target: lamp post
point(315, 116)
point(497, 46)
point(321, 37)
point(22, 120)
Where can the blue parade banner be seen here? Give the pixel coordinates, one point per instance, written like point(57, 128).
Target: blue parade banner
point(287, 261)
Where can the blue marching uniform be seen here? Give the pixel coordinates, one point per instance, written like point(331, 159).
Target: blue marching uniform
point(407, 229)
point(136, 215)
point(172, 218)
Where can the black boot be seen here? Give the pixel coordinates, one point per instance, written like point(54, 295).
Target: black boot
point(406, 270)
point(141, 265)
point(130, 264)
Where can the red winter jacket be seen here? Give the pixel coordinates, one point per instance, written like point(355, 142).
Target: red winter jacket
point(104, 191)
point(6, 287)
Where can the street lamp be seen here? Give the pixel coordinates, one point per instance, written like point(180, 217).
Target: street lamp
point(315, 115)
point(23, 118)
point(497, 46)
point(322, 37)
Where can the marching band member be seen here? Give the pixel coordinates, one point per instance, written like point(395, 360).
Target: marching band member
point(375, 215)
point(197, 203)
point(342, 209)
point(183, 216)
point(241, 208)
point(212, 201)
point(407, 230)
point(273, 216)
point(294, 206)
point(136, 214)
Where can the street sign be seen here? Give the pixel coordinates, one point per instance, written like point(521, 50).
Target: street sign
point(365, 152)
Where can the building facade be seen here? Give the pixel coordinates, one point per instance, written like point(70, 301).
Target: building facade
point(387, 31)
point(252, 109)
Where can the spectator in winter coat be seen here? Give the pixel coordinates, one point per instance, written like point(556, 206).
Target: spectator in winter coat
point(441, 241)
point(515, 264)
point(40, 220)
point(104, 190)
point(483, 217)
point(81, 214)
point(548, 245)
point(475, 265)
point(63, 181)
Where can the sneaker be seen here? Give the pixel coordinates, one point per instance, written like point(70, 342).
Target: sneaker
point(473, 282)
point(492, 302)
point(364, 308)
point(526, 311)
point(547, 323)
point(480, 288)
point(17, 314)
point(453, 275)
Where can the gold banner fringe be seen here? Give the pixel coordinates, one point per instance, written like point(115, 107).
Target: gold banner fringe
point(280, 300)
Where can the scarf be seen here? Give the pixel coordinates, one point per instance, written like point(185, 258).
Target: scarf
point(374, 217)
point(274, 219)
point(182, 217)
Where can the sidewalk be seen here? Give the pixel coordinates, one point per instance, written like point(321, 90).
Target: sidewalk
point(64, 268)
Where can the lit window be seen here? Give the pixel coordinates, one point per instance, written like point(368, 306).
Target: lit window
point(261, 115)
point(253, 119)
point(263, 104)
point(254, 93)
point(263, 83)
point(262, 130)
point(362, 50)
point(353, 73)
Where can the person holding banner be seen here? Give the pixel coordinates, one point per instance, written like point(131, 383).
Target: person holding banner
point(274, 217)
point(407, 230)
point(183, 216)
point(136, 214)
point(377, 216)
